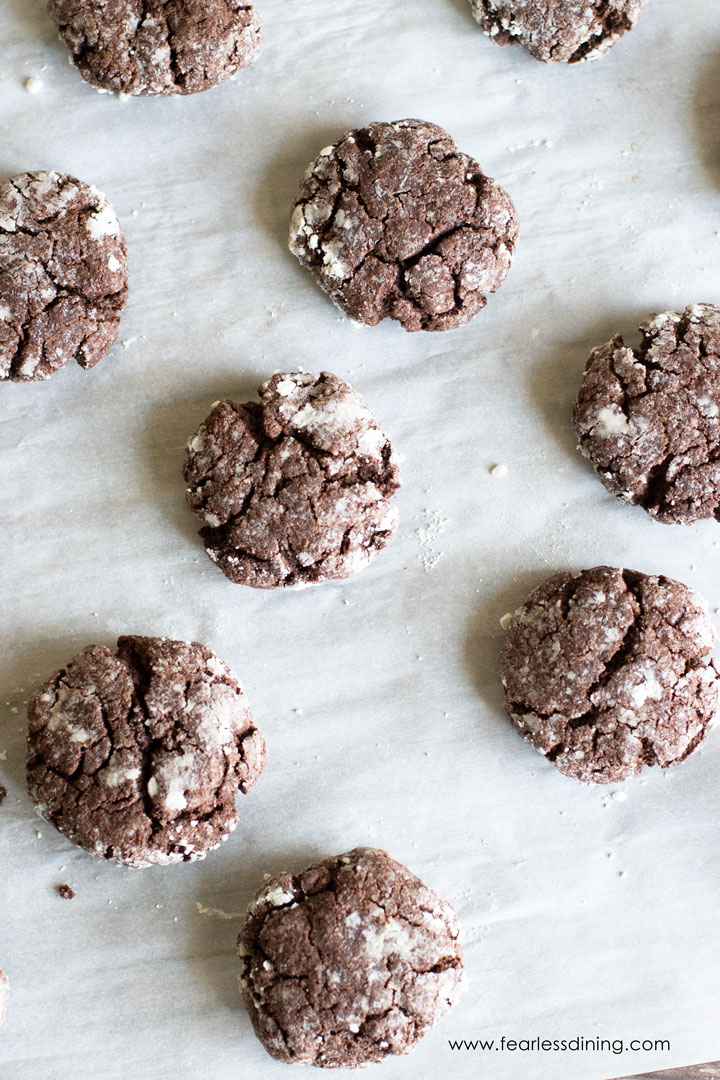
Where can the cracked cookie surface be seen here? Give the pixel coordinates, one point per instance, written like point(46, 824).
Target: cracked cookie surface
point(295, 489)
point(151, 47)
point(395, 222)
point(63, 275)
point(348, 962)
point(607, 671)
point(649, 418)
point(558, 30)
point(138, 757)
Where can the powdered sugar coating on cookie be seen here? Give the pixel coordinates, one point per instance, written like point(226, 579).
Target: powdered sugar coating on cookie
point(607, 671)
point(649, 418)
point(151, 47)
point(557, 31)
point(296, 489)
point(395, 222)
point(349, 962)
point(138, 757)
point(63, 275)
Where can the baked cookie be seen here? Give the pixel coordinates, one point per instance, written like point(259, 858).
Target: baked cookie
point(4, 991)
point(295, 489)
point(558, 30)
point(348, 962)
point(150, 47)
point(139, 756)
point(649, 418)
point(394, 221)
point(607, 671)
point(63, 275)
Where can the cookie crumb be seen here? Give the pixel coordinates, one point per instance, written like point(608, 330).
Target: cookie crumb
point(506, 620)
point(66, 892)
point(619, 796)
point(33, 85)
point(498, 470)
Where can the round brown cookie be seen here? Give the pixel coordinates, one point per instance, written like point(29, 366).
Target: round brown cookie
point(558, 30)
point(348, 962)
point(63, 275)
point(394, 221)
point(150, 47)
point(607, 671)
point(296, 489)
point(4, 992)
point(649, 418)
point(139, 756)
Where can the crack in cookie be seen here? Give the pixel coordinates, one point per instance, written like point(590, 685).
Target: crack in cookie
point(152, 47)
point(348, 962)
point(296, 489)
point(649, 418)
point(558, 31)
point(395, 222)
point(138, 757)
point(63, 275)
point(607, 671)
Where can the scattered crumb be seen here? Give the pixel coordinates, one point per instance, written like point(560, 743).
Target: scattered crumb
point(506, 620)
point(33, 85)
point(38, 834)
point(621, 873)
point(3, 753)
point(66, 892)
point(498, 470)
point(3, 795)
point(619, 796)
point(428, 538)
point(535, 331)
point(218, 912)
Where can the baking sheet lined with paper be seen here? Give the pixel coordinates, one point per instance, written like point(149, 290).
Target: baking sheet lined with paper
point(586, 912)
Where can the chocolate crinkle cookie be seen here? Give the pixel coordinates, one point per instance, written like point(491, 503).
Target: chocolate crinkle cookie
point(607, 671)
point(558, 30)
point(63, 275)
point(348, 962)
point(4, 991)
point(294, 489)
point(394, 221)
point(151, 47)
point(649, 418)
point(138, 756)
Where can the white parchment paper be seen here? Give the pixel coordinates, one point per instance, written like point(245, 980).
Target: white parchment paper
point(582, 915)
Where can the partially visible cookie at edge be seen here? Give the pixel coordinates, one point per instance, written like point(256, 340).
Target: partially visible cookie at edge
point(157, 47)
point(63, 275)
point(4, 993)
point(607, 671)
point(557, 31)
point(649, 418)
point(395, 222)
point(348, 962)
point(296, 489)
point(138, 756)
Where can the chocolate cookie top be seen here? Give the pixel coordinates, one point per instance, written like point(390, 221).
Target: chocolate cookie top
point(150, 47)
point(649, 418)
point(394, 221)
point(350, 961)
point(4, 991)
point(138, 757)
point(558, 30)
point(63, 275)
point(607, 671)
point(295, 489)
